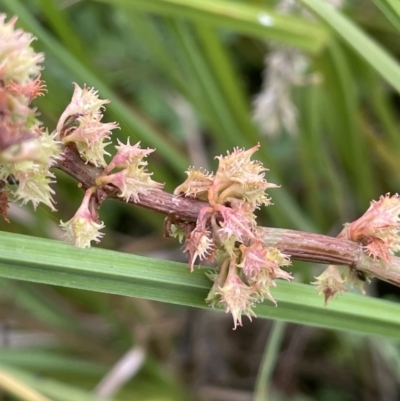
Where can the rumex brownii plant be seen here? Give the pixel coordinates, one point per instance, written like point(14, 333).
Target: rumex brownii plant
point(213, 213)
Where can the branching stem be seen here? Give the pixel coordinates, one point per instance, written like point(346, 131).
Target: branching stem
point(299, 245)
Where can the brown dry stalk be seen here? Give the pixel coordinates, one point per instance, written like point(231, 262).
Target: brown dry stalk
point(299, 245)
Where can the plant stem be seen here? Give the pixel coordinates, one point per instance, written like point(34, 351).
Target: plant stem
point(299, 245)
point(268, 362)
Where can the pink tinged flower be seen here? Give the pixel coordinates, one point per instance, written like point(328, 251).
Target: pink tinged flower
point(18, 61)
point(240, 177)
point(238, 166)
point(196, 185)
point(29, 90)
point(261, 267)
point(44, 150)
point(82, 228)
point(128, 155)
point(378, 229)
point(330, 283)
point(265, 279)
point(199, 244)
point(234, 226)
point(34, 183)
point(50, 149)
point(262, 284)
point(131, 181)
point(84, 102)
point(236, 297)
point(254, 258)
point(89, 137)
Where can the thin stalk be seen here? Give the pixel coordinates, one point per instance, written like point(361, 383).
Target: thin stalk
point(268, 362)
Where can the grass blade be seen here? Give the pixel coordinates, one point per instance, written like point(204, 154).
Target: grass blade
point(367, 48)
point(239, 17)
point(52, 262)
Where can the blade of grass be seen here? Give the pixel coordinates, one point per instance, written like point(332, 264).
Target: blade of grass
point(351, 34)
point(240, 17)
point(395, 5)
point(227, 79)
point(157, 44)
point(52, 388)
point(268, 361)
point(30, 298)
point(51, 262)
point(230, 133)
point(21, 390)
point(208, 97)
point(391, 10)
point(309, 148)
point(383, 108)
point(350, 141)
point(63, 29)
point(53, 362)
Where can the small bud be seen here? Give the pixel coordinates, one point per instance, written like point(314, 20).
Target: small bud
point(29, 89)
point(44, 150)
point(84, 127)
point(239, 177)
point(128, 155)
point(34, 183)
point(237, 297)
point(133, 180)
point(199, 244)
point(19, 62)
point(84, 102)
point(261, 266)
point(378, 228)
point(196, 185)
point(234, 226)
point(82, 229)
point(330, 283)
point(89, 137)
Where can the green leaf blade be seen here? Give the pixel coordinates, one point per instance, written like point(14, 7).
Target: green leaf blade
point(51, 262)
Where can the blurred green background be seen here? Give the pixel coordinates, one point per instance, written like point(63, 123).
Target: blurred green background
point(318, 87)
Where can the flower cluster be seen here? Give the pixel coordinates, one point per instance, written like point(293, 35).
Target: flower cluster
point(81, 124)
point(378, 228)
point(27, 150)
point(377, 231)
point(83, 228)
point(133, 179)
point(226, 231)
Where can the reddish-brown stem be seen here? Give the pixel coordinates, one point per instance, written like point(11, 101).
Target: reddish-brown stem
point(159, 201)
point(299, 245)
